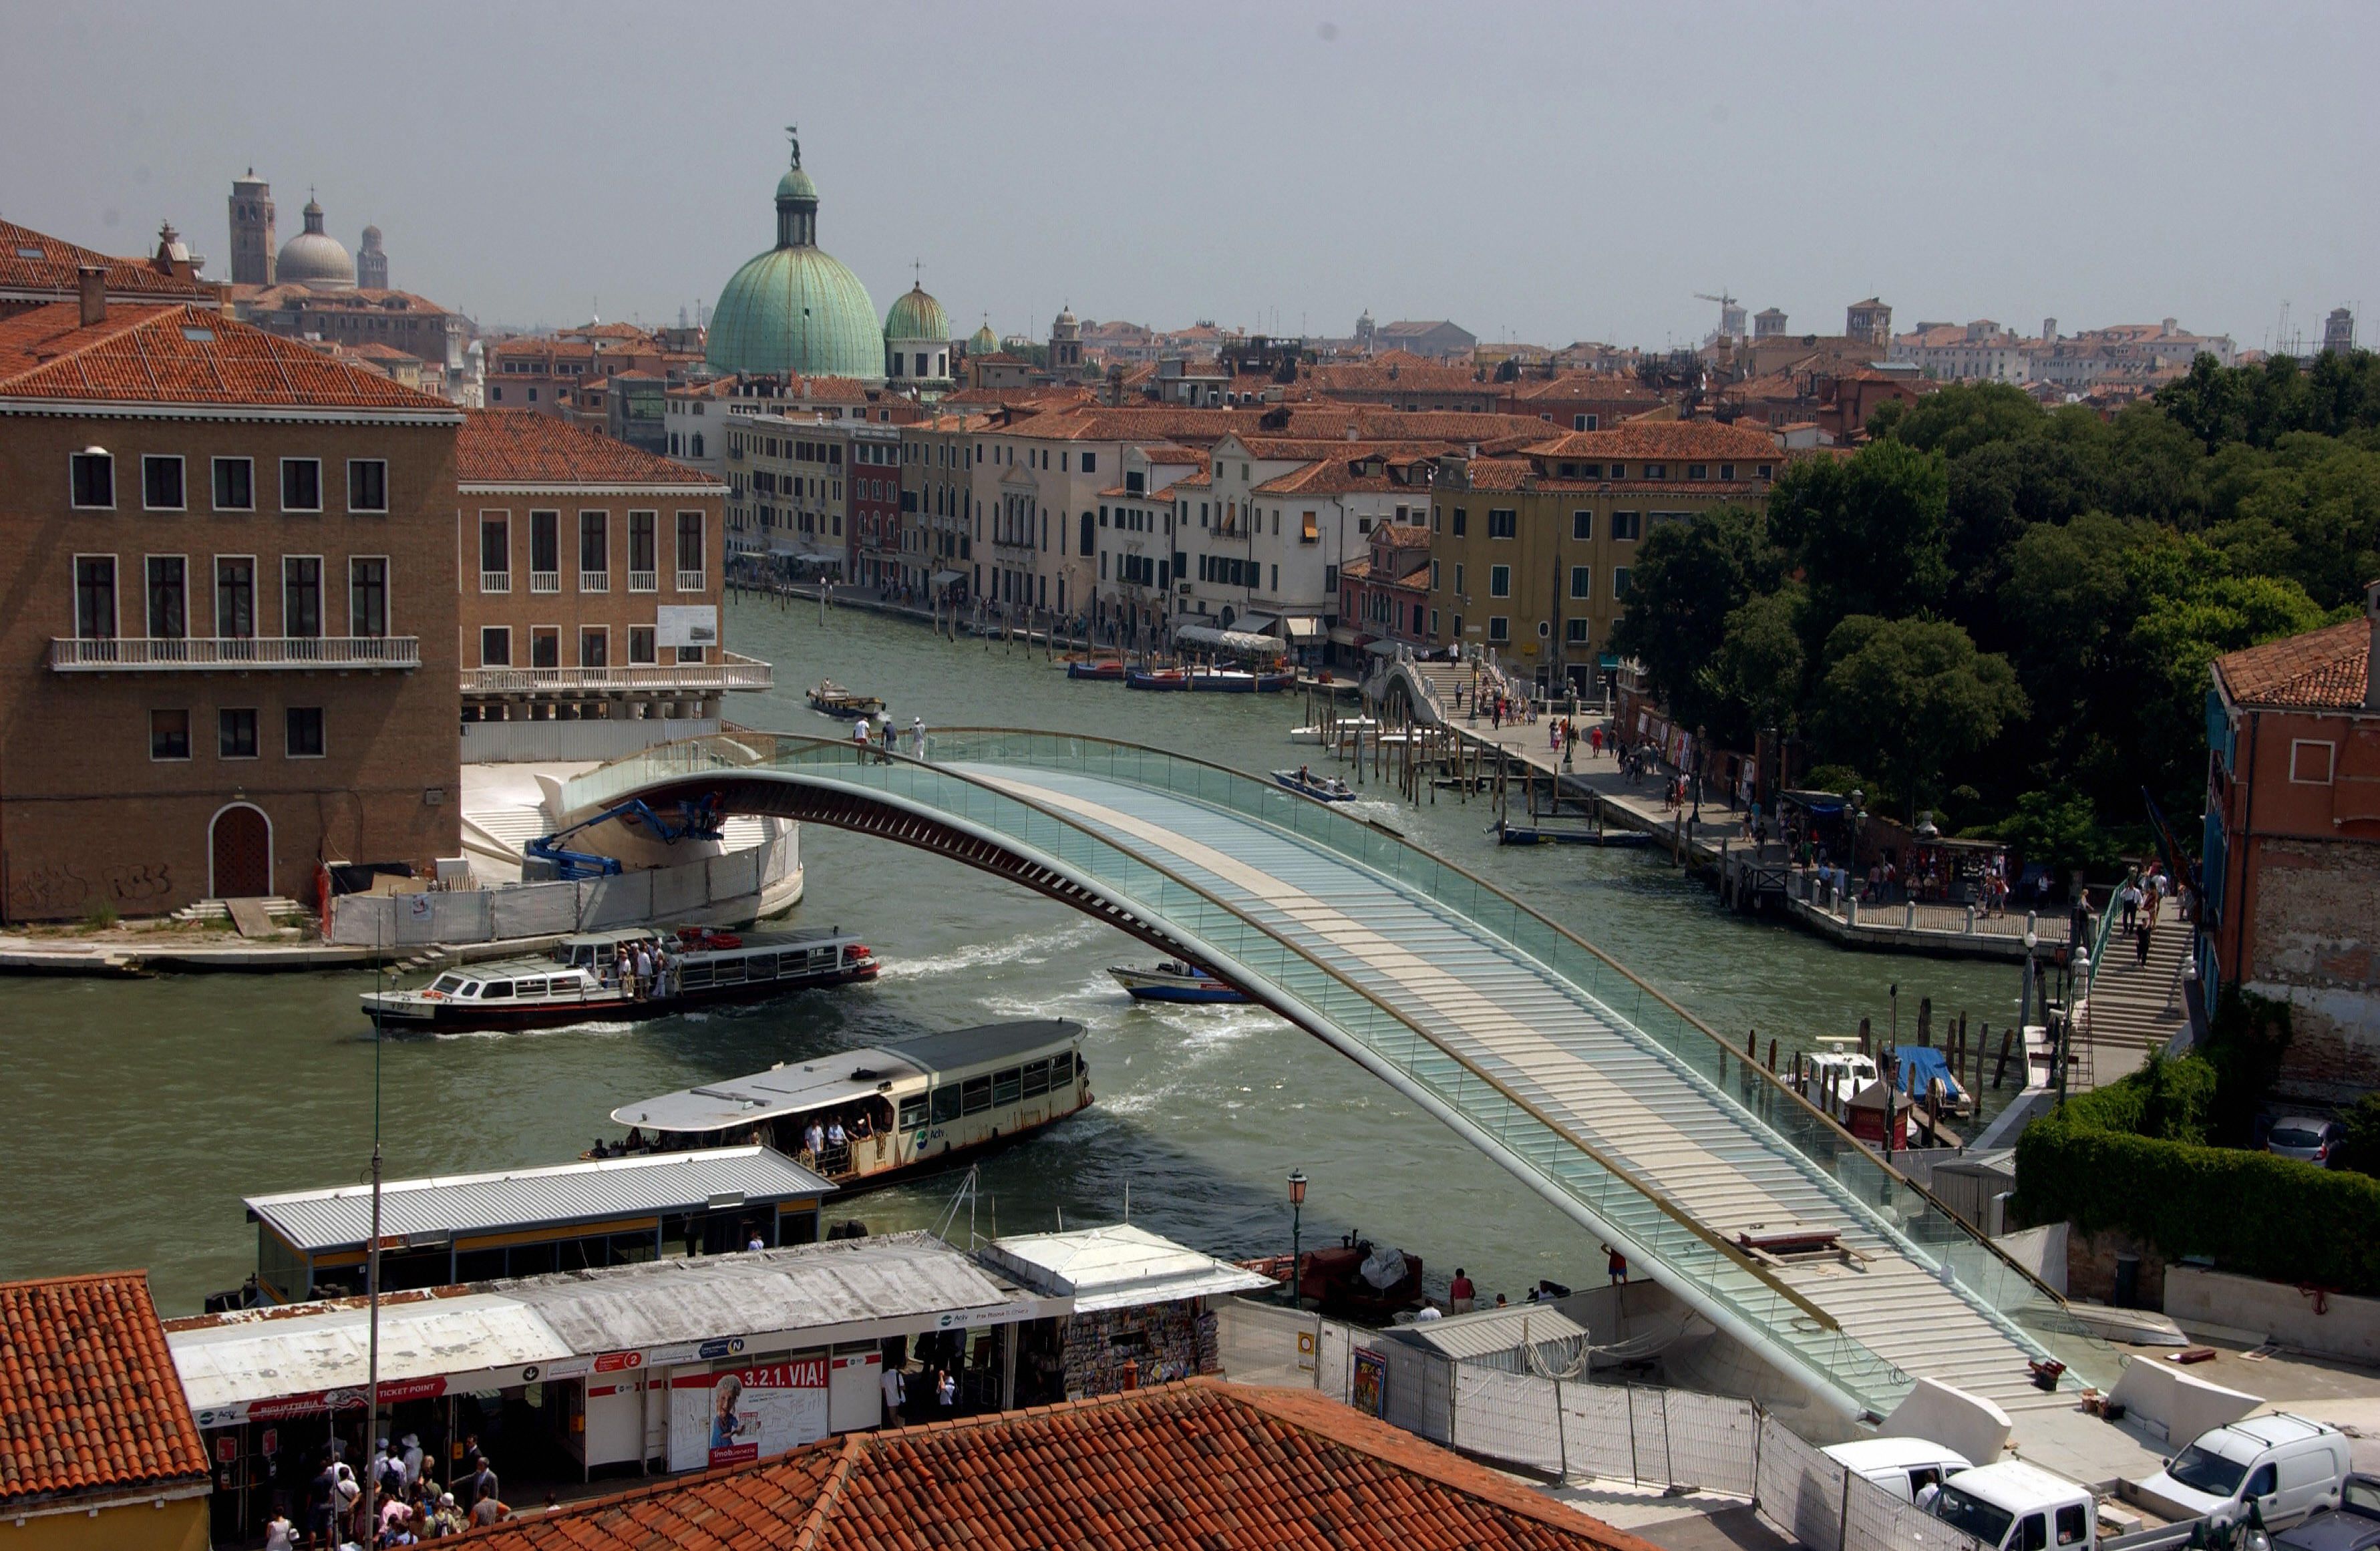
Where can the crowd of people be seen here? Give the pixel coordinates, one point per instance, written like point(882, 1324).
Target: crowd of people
point(405, 1507)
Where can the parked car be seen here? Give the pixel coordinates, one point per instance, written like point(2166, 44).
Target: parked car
point(2286, 1465)
point(2307, 1137)
point(2354, 1525)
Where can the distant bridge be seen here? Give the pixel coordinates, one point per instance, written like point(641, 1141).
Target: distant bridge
point(1592, 1088)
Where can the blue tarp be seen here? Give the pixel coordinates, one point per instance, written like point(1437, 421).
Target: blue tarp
point(1920, 1064)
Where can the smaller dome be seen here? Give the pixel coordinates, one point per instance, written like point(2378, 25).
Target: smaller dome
point(1066, 318)
point(797, 185)
point(314, 256)
point(371, 236)
point(983, 342)
point(917, 316)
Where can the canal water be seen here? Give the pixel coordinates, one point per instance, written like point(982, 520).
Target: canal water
point(140, 1112)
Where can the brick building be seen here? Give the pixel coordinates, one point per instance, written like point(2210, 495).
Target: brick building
point(2292, 869)
point(37, 269)
point(228, 653)
point(1531, 553)
point(593, 590)
point(358, 317)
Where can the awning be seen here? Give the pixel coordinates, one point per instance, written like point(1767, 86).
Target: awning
point(944, 579)
point(1346, 636)
point(1256, 625)
point(1302, 627)
point(1115, 1267)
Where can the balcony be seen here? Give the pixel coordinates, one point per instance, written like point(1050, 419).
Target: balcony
point(235, 653)
point(644, 581)
point(545, 581)
point(594, 581)
point(690, 581)
point(495, 581)
point(731, 671)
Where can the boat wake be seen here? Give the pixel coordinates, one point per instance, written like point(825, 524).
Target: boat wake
point(593, 1025)
point(1038, 949)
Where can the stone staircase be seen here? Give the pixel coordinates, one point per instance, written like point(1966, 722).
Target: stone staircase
point(2133, 1008)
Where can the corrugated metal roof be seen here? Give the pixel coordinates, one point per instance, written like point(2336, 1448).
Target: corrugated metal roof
point(1490, 1332)
point(258, 1354)
point(1114, 1267)
point(810, 1286)
point(790, 1088)
point(433, 1209)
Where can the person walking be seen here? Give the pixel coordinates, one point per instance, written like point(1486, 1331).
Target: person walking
point(896, 1393)
point(2129, 899)
point(859, 739)
point(2140, 944)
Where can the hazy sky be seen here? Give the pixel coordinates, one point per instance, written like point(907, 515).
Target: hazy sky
point(1536, 171)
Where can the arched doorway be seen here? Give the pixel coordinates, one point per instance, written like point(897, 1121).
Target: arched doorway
point(239, 851)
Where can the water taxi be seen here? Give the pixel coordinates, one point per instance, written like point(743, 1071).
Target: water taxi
point(1321, 787)
point(1173, 981)
point(1832, 1076)
point(580, 981)
point(830, 698)
point(864, 1118)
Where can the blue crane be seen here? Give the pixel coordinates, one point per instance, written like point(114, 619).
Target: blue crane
point(690, 818)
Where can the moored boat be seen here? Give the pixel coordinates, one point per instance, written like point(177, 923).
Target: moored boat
point(1158, 678)
point(1321, 787)
point(1341, 730)
point(902, 1108)
point(1106, 670)
point(830, 698)
point(1352, 1278)
point(1173, 981)
point(1832, 1076)
point(1238, 681)
point(579, 981)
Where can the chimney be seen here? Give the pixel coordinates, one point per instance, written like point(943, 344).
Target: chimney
point(90, 282)
point(2372, 652)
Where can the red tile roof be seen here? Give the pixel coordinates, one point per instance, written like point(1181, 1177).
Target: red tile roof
point(2322, 669)
point(30, 260)
point(1662, 439)
point(89, 1396)
point(523, 447)
point(181, 355)
point(1201, 1463)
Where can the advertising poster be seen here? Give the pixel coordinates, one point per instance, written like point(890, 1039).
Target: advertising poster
point(1368, 1392)
point(687, 624)
point(747, 1413)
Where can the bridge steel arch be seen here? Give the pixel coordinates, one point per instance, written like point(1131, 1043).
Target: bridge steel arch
point(1591, 1088)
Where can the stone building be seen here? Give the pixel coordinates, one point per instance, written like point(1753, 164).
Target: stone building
point(252, 231)
point(2292, 869)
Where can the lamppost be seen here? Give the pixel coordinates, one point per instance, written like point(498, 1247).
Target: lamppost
point(2079, 982)
point(1296, 1215)
point(1702, 735)
point(2025, 1002)
point(1859, 823)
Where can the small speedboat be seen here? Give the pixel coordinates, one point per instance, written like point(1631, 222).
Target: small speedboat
point(1107, 670)
point(830, 698)
point(1321, 787)
point(1346, 727)
point(1239, 681)
point(1173, 981)
point(1158, 678)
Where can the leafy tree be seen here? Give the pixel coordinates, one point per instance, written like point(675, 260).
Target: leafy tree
point(1758, 670)
point(1688, 576)
point(1868, 533)
point(1961, 416)
point(2060, 829)
point(2309, 511)
point(2362, 1151)
point(1909, 697)
point(2245, 1041)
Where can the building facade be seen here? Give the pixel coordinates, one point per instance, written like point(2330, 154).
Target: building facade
point(231, 655)
point(2291, 866)
point(1530, 555)
point(593, 588)
point(937, 505)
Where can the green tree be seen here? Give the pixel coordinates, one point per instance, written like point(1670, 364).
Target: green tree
point(2060, 830)
point(1869, 534)
point(1688, 576)
point(1910, 697)
point(1758, 670)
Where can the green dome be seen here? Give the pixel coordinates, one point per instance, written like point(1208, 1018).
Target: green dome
point(917, 316)
point(796, 311)
point(983, 342)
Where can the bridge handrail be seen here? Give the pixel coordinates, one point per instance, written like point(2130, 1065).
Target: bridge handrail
point(1899, 1206)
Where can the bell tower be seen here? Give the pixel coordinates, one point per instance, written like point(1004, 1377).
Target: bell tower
point(252, 247)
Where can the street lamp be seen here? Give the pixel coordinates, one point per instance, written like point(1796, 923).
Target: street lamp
point(2025, 1002)
point(1296, 1217)
point(2079, 981)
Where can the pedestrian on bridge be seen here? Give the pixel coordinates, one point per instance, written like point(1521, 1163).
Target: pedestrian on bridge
point(1615, 1266)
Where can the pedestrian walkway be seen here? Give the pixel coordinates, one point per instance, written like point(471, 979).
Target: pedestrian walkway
point(2133, 1006)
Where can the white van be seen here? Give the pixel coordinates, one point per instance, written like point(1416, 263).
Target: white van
point(1904, 1467)
point(2013, 1506)
point(2286, 1465)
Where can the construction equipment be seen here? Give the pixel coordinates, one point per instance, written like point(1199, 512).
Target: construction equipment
point(694, 818)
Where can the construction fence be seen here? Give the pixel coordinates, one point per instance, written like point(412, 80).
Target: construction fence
point(1573, 1429)
point(531, 910)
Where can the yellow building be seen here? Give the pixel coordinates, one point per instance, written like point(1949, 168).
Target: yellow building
point(1530, 554)
point(98, 1448)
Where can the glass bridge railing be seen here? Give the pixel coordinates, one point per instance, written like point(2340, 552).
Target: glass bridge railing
point(1894, 1206)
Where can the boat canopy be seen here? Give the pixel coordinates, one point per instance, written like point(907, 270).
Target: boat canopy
point(1920, 1064)
point(790, 1088)
point(1247, 643)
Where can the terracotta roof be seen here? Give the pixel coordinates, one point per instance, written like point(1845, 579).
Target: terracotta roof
point(1662, 439)
point(1201, 1463)
point(89, 1396)
point(521, 446)
point(32, 261)
point(2322, 669)
point(362, 298)
point(181, 355)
